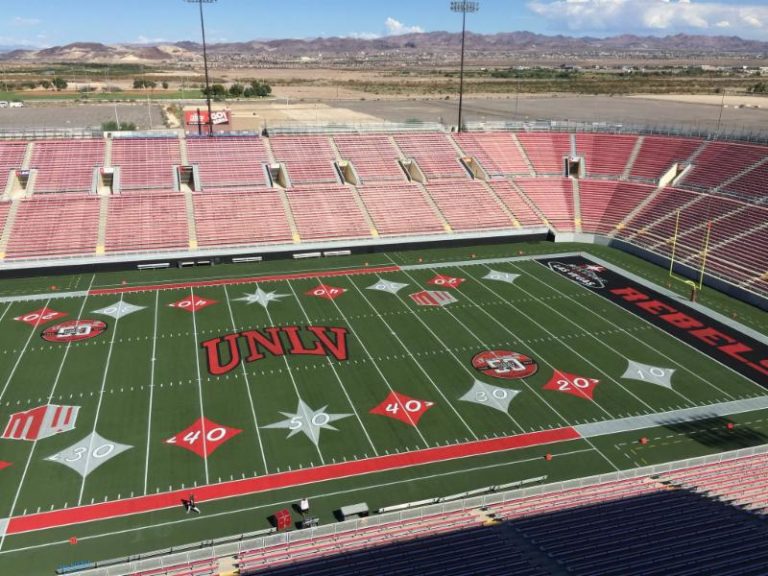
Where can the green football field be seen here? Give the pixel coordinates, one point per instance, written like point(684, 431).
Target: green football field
point(178, 381)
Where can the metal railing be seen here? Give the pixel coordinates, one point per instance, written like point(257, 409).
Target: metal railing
point(235, 545)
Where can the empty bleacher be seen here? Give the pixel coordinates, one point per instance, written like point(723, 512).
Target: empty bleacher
point(546, 150)
point(554, 197)
point(414, 215)
point(309, 159)
point(240, 218)
point(605, 154)
point(434, 154)
point(66, 165)
point(11, 157)
point(720, 161)
point(55, 225)
point(658, 154)
point(146, 164)
point(373, 155)
point(496, 152)
point(606, 203)
point(229, 162)
point(467, 205)
point(515, 203)
point(327, 213)
point(752, 186)
point(147, 222)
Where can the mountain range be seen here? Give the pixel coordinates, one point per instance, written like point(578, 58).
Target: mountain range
point(431, 43)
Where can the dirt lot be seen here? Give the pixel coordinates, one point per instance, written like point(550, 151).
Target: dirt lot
point(699, 112)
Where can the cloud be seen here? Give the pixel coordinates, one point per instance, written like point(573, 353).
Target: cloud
point(364, 35)
point(20, 22)
point(395, 27)
point(654, 16)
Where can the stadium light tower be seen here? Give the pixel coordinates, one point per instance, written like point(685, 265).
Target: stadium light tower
point(464, 7)
point(205, 63)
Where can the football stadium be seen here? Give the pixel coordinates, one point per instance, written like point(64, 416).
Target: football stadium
point(509, 347)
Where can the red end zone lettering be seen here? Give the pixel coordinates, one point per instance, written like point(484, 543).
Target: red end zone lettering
point(718, 340)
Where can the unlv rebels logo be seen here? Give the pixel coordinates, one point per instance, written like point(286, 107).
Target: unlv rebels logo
point(505, 364)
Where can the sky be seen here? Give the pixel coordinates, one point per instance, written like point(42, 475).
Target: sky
point(42, 23)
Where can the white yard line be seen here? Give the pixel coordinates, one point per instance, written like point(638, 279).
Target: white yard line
point(598, 340)
point(306, 417)
point(34, 442)
point(151, 389)
point(336, 373)
point(98, 408)
point(248, 388)
point(561, 341)
point(23, 350)
point(204, 432)
point(529, 346)
point(681, 366)
point(272, 505)
point(416, 362)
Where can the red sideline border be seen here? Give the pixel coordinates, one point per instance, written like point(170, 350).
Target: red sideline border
point(249, 280)
point(165, 500)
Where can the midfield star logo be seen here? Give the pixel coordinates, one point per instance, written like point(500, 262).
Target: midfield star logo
point(223, 353)
point(584, 274)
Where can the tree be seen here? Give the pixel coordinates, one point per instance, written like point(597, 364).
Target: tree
point(165, 84)
point(46, 84)
point(59, 83)
point(261, 89)
point(236, 90)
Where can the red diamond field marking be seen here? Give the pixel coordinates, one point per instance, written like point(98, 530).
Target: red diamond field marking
point(579, 386)
point(327, 292)
point(446, 281)
point(192, 438)
point(4, 464)
point(404, 408)
point(41, 316)
point(192, 303)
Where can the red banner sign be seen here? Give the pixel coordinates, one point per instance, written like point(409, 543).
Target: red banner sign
point(192, 118)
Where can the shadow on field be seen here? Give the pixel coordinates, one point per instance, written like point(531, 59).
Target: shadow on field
point(718, 432)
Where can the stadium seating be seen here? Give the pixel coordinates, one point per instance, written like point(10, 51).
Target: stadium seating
point(606, 203)
point(55, 225)
point(309, 159)
point(467, 205)
point(496, 152)
point(554, 197)
point(223, 162)
point(146, 164)
point(725, 185)
point(240, 218)
point(434, 153)
point(142, 222)
point(66, 165)
point(546, 151)
point(373, 155)
point(515, 203)
point(327, 213)
point(719, 161)
point(11, 157)
point(658, 154)
point(414, 215)
point(751, 186)
point(605, 154)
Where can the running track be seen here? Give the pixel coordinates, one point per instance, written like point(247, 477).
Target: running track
point(165, 500)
